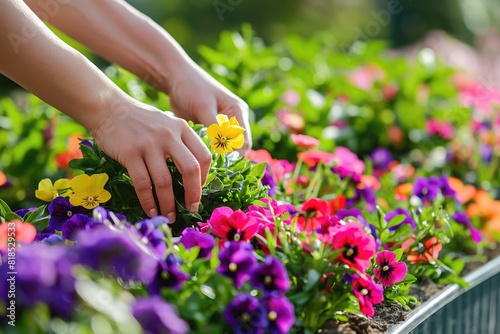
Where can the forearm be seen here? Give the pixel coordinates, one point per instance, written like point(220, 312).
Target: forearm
point(119, 33)
point(40, 62)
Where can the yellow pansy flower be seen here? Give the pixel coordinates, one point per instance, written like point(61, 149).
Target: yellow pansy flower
point(47, 192)
point(88, 191)
point(226, 135)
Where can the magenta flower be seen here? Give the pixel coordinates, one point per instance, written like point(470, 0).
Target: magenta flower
point(462, 218)
point(357, 246)
point(237, 262)
point(270, 276)
point(368, 293)
point(231, 225)
point(389, 271)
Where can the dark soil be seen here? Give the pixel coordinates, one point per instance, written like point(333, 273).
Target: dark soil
point(387, 314)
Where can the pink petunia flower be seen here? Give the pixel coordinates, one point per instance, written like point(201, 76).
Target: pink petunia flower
point(229, 225)
point(368, 293)
point(389, 271)
point(313, 157)
point(304, 141)
point(358, 247)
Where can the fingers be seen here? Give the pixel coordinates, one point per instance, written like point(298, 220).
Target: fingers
point(200, 152)
point(240, 110)
point(142, 183)
point(162, 180)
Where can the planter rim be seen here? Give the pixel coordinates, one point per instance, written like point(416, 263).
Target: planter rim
point(431, 306)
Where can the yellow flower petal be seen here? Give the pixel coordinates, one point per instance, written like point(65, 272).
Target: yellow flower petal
point(237, 142)
point(60, 185)
point(221, 119)
point(77, 200)
point(233, 132)
point(103, 196)
point(45, 190)
point(79, 183)
point(212, 131)
point(234, 121)
point(97, 182)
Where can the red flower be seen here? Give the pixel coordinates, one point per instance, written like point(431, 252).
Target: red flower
point(368, 293)
point(259, 156)
point(22, 232)
point(428, 253)
point(389, 271)
point(313, 157)
point(358, 247)
point(304, 141)
point(231, 225)
point(338, 203)
point(313, 213)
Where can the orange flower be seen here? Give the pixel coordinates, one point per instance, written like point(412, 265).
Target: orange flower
point(465, 193)
point(403, 191)
point(21, 232)
point(428, 254)
point(3, 179)
point(73, 152)
point(369, 181)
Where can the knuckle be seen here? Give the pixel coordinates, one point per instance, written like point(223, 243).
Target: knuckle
point(193, 169)
point(142, 185)
point(206, 159)
point(163, 181)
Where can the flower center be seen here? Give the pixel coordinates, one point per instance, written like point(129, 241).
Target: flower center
point(364, 292)
point(268, 280)
point(222, 141)
point(272, 316)
point(237, 237)
point(233, 267)
point(349, 252)
point(425, 191)
point(245, 317)
point(69, 213)
point(385, 268)
point(165, 275)
point(90, 201)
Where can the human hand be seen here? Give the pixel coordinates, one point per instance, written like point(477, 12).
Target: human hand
point(195, 95)
point(142, 138)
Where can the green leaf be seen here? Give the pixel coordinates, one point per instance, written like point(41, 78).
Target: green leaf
point(313, 278)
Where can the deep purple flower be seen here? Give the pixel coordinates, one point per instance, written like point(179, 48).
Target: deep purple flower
point(400, 211)
point(389, 271)
point(462, 218)
point(442, 183)
point(425, 189)
point(270, 276)
point(115, 253)
point(237, 262)
point(87, 142)
point(60, 210)
point(245, 315)
point(381, 158)
point(193, 238)
point(280, 314)
point(151, 235)
point(77, 223)
point(157, 316)
point(45, 233)
point(54, 239)
point(101, 215)
point(268, 180)
point(168, 275)
point(365, 194)
point(22, 212)
point(43, 276)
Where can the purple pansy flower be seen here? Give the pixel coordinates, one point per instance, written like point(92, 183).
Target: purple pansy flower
point(245, 315)
point(462, 218)
point(156, 316)
point(381, 158)
point(193, 238)
point(400, 211)
point(442, 183)
point(168, 275)
point(270, 276)
point(425, 189)
point(280, 314)
point(22, 212)
point(114, 253)
point(78, 222)
point(60, 210)
point(43, 276)
point(268, 180)
point(151, 235)
point(101, 215)
point(237, 262)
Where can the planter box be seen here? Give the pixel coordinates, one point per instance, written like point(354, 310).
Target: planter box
point(474, 310)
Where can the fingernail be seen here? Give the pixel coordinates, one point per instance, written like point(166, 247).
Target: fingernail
point(194, 207)
point(153, 213)
point(171, 217)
